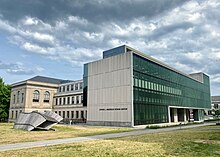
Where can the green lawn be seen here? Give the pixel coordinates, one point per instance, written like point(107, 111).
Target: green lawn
point(174, 143)
point(10, 135)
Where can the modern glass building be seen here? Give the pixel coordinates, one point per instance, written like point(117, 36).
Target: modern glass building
point(128, 88)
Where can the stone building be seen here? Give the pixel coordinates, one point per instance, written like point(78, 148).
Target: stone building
point(47, 94)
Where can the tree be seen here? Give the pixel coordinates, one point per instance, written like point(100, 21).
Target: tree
point(5, 92)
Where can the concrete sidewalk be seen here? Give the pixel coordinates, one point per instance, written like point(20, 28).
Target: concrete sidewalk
point(24, 145)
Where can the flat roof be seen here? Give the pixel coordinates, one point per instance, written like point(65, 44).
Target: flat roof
point(130, 49)
point(161, 63)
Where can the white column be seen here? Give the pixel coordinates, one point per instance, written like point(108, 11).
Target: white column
point(175, 115)
point(184, 115)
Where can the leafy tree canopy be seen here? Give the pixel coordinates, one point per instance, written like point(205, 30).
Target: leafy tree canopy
point(5, 92)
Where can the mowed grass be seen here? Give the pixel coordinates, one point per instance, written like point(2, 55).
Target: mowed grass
point(10, 135)
point(176, 143)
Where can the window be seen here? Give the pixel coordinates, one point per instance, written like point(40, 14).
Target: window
point(60, 113)
point(22, 97)
point(18, 97)
point(60, 101)
point(68, 100)
point(77, 99)
point(36, 96)
point(68, 114)
point(72, 113)
point(80, 86)
point(77, 114)
point(81, 99)
point(14, 99)
point(72, 87)
point(82, 114)
point(63, 88)
point(64, 101)
point(67, 88)
point(12, 114)
point(59, 89)
point(16, 114)
point(76, 86)
point(73, 100)
point(46, 96)
point(56, 101)
point(63, 114)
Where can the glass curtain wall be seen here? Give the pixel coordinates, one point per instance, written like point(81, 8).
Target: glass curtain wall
point(157, 87)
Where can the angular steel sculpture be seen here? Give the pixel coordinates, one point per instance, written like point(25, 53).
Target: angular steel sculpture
point(37, 120)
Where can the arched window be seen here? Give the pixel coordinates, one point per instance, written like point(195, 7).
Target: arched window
point(46, 96)
point(36, 96)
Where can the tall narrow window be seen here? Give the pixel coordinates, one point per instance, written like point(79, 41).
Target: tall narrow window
point(46, 96)
point(22, 97)
point(77, 99)
point(56, 101)
point(16, 114)
point(64, 101)
point(36, 96)
point(60, 101)
point(72, 113)
point(68, 114)
point(80, 86)
point(18, 97)
point(67, 87)
point(63, 114)
point(76, 86)
point(77, 114)
point(72, 87)
point(14, 99)
point(82, 114)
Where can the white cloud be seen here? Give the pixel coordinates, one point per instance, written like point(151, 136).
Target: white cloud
point(30, 21)
point(37, 49)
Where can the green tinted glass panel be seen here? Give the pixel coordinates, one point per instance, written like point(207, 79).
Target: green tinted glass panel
point(164, 88)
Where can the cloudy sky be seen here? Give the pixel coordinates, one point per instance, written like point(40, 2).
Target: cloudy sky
point(55, 37)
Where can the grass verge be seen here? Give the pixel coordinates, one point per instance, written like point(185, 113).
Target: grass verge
point(10, 135)
point(183, 143)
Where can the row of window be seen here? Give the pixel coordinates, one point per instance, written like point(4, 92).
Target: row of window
point(18, 98)
point(156, 97)
point(64, 114)
point(36, 96)
point(155, 86)
point(72, 114)
point(69, 100)
point(16, 114)
point(72, 87)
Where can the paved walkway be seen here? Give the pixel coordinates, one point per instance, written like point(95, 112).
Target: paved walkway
point(24, 145)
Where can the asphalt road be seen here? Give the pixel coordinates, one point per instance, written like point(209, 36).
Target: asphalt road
point(44, 143)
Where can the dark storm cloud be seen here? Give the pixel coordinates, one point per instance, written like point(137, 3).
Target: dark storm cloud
point(95, 10)
point(181, 33)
